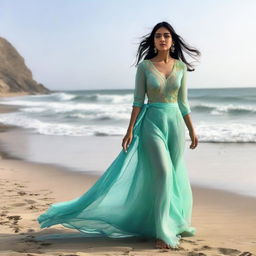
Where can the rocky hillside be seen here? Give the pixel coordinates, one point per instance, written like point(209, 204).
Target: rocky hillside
point(15, 77)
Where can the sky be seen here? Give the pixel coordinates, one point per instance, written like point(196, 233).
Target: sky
point(82, 44)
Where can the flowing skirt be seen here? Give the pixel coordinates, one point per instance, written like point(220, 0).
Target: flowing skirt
point(144, 192)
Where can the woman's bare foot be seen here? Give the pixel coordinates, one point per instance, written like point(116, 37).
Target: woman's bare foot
point(160, 244)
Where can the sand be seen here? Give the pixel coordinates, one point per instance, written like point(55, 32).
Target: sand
point(225, 221)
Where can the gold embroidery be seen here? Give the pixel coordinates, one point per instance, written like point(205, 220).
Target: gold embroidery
point(167, 89)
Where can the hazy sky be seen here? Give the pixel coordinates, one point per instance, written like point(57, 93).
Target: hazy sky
point(84, 44)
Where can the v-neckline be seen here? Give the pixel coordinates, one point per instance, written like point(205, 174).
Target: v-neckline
point(166, 78)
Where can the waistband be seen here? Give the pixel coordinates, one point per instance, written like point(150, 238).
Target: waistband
point(160, 105)
point(163, 104)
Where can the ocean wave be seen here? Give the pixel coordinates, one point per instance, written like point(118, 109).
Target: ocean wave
point(67, 102)
point(223, 109)
point(71, 98)
point(225, 133)
point(92, 97)
point(103, 98)
point(61, 107)
point(99, 116)
point(60, 129)
point(62, 96)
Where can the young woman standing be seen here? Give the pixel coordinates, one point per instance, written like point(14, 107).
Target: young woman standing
point(145, 191)
point(162, 77)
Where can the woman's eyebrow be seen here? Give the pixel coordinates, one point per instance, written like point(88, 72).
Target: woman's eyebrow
point(164, 33)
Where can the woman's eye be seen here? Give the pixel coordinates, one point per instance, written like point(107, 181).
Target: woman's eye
point(166, 36)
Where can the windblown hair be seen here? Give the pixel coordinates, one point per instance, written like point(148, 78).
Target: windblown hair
point(146, 46)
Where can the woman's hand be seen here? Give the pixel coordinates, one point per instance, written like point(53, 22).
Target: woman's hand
point(194, 139)
point(127, 140)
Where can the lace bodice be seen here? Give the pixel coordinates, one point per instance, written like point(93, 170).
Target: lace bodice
point(151, 82)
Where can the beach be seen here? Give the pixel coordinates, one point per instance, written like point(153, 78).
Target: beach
point(225, 221)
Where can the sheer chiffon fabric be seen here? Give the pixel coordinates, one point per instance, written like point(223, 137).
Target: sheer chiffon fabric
point(145, 191)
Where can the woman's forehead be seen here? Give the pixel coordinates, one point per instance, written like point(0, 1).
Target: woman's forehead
point(162, 31)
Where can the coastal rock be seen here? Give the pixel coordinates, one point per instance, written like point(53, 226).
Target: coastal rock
point(15, 77)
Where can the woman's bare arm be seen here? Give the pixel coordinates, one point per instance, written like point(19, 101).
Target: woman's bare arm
point(129, 134)
point(188, 123)
point(135, 112)
point(192, 134)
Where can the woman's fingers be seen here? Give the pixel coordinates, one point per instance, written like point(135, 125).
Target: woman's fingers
point(194, 142)
point(125, 145)
point(126, 142)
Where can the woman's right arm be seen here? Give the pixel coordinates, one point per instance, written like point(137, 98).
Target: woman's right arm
point(138, 101)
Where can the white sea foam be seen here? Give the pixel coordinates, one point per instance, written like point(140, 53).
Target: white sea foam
point(114, 98)
point(232, 132)
point(60, 129)
point(222, 108)
point(64, 96)
point(71, 113)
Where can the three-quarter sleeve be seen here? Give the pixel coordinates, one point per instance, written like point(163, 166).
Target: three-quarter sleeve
point(183, 94)
point(140, 87)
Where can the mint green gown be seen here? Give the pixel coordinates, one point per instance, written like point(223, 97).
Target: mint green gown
point(145, 191)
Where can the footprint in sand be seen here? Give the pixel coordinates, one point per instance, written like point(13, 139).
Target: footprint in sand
point(21, 193)
point(46, 198)
point(205, 247)
point(193, 253)
point(19, 185)
point(4, 213)
point(30, 230)
point(32, 207)
point(33, 194)
point(4, 222)
point(30, 201)
point(14, 217)
point(18, 204)
point(16, 229)
point(189, 241)
point(245, 254)
point(228, 251)
point(46, 190)
point(14, 225)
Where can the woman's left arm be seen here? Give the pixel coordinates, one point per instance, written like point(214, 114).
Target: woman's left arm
point(185, 108)
point(192, 134)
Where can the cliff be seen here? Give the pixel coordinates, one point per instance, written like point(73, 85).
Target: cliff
point(15, 77)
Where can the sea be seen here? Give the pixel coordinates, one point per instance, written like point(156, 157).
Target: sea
point(57, 126)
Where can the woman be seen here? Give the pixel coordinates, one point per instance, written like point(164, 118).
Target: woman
point(145, 191)
point(162, 76)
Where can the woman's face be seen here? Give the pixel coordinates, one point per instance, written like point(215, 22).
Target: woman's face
point(162, 39)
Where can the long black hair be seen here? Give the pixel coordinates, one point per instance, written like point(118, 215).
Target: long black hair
point(146, 46)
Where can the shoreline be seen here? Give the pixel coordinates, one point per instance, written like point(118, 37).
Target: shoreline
point(224, 220)
point(15, 94)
